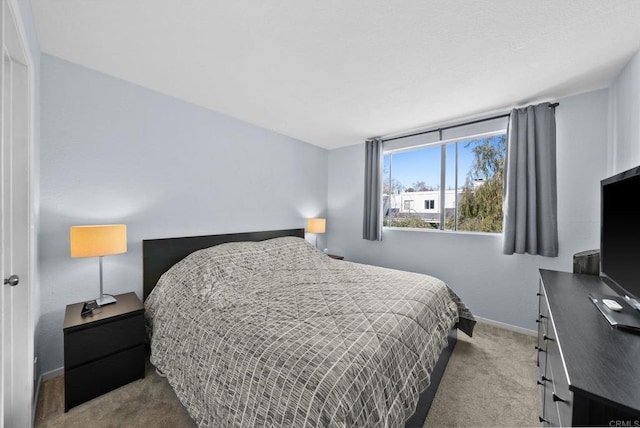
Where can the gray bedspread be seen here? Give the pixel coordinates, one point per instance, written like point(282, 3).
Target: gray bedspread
point(276, 333)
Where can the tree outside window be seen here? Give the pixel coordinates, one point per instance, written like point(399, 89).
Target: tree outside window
point(471, 191)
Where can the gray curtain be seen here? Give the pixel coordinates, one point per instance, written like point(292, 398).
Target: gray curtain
point(530, 200)
point(372, 221)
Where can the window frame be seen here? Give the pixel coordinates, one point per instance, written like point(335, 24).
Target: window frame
point(443, 160)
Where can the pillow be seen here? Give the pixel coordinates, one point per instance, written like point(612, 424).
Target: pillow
point(234, 261)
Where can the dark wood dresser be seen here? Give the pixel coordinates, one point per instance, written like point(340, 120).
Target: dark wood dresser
point(589, 370)
point(103, 351)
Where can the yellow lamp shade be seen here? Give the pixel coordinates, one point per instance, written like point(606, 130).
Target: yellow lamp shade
point(316, 225)
point(98, 240)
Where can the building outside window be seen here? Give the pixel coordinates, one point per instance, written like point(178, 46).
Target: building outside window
point(454, 184)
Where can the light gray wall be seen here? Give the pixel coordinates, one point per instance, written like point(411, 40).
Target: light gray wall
point(494, 286)
point(115, 152)
point(624, 98)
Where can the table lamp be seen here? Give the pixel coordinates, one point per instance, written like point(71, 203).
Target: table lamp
point(99, 241)
point(316, 225)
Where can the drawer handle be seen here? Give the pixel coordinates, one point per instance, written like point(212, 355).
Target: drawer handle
point(539, 349)
point(556, 398)
point(541, 419)
point(545, 337)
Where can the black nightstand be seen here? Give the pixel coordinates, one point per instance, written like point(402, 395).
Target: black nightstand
point(335, 256)
point(104, 351)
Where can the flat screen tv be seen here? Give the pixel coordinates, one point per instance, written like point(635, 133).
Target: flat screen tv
point(620, 233)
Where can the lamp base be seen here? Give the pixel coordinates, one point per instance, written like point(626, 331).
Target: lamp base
point(105, 300)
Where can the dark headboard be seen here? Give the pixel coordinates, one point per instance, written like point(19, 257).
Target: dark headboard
point(158, 255)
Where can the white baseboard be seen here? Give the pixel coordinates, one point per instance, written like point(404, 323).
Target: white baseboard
point(506, 326)
point(45, 376)
point(34, 404)
point(51, 374)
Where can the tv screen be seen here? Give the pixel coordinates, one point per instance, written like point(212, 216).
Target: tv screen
point(620, 231)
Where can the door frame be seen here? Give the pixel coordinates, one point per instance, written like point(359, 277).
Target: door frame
point(25, 409)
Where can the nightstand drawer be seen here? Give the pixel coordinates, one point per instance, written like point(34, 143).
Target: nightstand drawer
point(91, 380)
point(88, 344)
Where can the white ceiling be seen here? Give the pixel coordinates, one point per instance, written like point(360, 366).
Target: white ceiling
point(332, 72)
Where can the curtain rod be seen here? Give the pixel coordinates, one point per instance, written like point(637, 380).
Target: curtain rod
point(444, 128)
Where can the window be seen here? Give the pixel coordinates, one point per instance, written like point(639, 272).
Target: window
point(449, 185)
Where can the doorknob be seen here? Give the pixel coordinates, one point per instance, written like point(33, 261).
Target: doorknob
point(13, 280)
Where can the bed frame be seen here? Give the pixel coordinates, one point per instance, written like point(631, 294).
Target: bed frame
point(159, 255)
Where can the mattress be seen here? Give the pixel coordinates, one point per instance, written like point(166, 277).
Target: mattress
point(276, 333)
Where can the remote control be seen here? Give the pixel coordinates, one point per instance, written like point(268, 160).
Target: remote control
point(612, 304)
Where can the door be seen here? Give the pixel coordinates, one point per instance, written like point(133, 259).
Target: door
point(16, 221)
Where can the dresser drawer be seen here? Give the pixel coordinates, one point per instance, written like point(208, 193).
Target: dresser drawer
point(88, 344)
point(555, 395)
point(549, 409)
point(542, 322)
point(562, 397)
point(561, 400)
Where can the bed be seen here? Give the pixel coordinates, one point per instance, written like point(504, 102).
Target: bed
point(262, 329)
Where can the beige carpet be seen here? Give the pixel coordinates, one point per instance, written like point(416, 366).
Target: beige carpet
point(490, 381)
point(149, 403)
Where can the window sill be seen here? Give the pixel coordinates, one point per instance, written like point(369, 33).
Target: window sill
point(424, 230)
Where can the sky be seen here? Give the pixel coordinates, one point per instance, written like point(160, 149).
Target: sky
point(424, 164)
